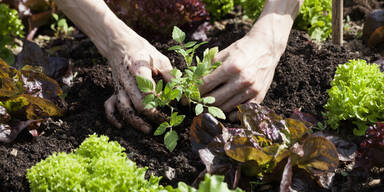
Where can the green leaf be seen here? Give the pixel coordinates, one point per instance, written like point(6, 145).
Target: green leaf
point(190, 44)
point(176, 119)
point(176, 73)
point(145, 85)
point(55, 16)
point(208, 100)
point(150, 105)
point(209, 54)
point(161, 128)
point(170, 140)
point(149, 98)
point(178, 35)
point(199, 109)
point(217, 112)
point(176, 47)
point(159, 86)
point(175, 94)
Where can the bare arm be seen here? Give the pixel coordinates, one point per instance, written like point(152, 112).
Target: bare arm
point(128, 55)
point(248, 65)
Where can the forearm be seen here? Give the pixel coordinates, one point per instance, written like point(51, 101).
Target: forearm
point(99, 23)
point(276, 21)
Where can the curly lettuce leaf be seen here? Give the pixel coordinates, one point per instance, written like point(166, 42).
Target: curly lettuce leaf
point(357, 94)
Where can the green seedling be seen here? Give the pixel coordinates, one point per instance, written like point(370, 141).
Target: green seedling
point(186, 84)
point(60, 27)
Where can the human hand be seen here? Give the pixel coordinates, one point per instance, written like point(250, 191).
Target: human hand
point(248, 65)
point(245, 74)
point(142, 59)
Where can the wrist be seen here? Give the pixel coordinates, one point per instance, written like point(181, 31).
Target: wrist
point(275, 23)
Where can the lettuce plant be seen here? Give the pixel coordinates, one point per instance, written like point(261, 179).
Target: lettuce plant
point(357, 94)
point(264, 142)
point(187, 85)
point(218, 8)
point(26, 98)
point(101, 165)
point(10, 27)
point(372, 148)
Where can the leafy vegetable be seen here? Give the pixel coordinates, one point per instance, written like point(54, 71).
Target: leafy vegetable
point(357, 94)
point(372, 148)
point(218, 8)
point(187, 84)
point(159, 16)
point(101, 165)
point(97, 165)
point(10, 27)
point(262, 143)
point(26, 97)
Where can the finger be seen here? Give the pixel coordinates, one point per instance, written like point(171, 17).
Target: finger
point(246, 95)
point(128, 114)
point(109, 107)
point(128, 82)
point(162, 66)
point(229, 90)
point(129, 85)
point(213, 80)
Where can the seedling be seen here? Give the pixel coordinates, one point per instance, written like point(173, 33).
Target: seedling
point(187, 85)
point(60, 27)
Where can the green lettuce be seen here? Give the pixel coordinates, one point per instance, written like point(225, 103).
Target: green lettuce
point(102, 165)
point(357, 94)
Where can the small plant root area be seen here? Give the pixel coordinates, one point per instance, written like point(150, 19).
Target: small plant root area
point(301, 80)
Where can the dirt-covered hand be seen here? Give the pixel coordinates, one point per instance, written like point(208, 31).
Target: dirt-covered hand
point(129, 61)
point(128, 55)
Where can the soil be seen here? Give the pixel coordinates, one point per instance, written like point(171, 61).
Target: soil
point(301, 80)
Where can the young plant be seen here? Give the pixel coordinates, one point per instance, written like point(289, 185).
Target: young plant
point(357, 94)
point(60, 27)
point(10, 27)
point(264, 143)
point(187, 85)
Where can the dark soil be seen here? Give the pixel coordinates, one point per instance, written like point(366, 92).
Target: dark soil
point(301, 80)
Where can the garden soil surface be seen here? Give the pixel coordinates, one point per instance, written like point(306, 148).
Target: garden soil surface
point(301, 80)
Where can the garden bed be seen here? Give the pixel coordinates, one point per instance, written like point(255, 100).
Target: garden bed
point(301, 80)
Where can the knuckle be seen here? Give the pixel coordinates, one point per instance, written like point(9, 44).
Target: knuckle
point(234, 68)
point(253, 91)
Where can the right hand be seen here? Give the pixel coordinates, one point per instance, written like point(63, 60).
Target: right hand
point(141, 59)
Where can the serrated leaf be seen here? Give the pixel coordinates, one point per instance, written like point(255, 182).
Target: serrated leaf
point(176, 73)
point(176, 47)
point(178, 35)
point(170, 140)
point(176, 119)
point(159, 86)
point(175, 94)
point(209, 54)
point(208, 100)
point(145, 85)
point(150, 105)
point(199, 109)
point(148, 99)
point(217, 112)
point(190, 44)
point(161, 129)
